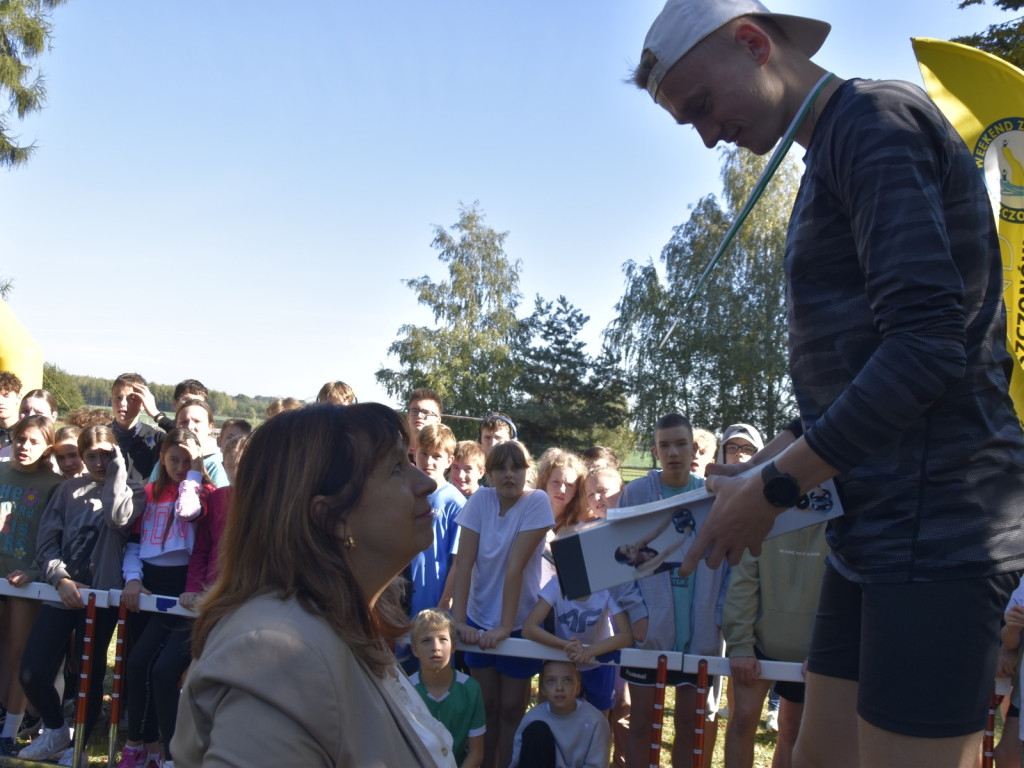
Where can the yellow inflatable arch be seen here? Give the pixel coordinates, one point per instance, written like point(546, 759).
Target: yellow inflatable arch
point(19, 352)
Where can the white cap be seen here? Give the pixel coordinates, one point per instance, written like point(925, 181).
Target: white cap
point(684, 23)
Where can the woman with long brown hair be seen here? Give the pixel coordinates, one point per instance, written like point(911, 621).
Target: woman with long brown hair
point(293, 661)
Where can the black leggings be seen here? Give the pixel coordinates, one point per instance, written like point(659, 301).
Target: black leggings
point(160, 655)
point(538, 747)
point(44, 655)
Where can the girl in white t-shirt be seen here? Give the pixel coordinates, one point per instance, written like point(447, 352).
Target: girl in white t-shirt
point(497, 584)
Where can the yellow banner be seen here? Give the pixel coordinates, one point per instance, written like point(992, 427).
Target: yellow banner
point(983, 97)
point(19, 353)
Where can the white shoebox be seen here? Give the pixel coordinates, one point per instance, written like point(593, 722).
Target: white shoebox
point(660, 531)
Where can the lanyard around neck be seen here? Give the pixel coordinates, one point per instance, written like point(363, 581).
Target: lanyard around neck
point(769, 170)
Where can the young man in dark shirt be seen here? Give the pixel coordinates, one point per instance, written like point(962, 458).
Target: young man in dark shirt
point(139, 443)
point(898, 361)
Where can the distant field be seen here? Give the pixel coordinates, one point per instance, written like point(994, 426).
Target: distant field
point(637, 464)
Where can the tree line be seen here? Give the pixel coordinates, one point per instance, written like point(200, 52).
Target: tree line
point(73, 391)
point(725, 362)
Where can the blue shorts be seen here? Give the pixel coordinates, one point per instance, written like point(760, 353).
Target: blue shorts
point(513, 666)
point(599, 686)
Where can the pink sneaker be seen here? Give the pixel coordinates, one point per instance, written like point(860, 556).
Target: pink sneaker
point(132, 757)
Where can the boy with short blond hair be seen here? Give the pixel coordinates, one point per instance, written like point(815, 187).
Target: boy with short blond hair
point(468, 467)
point(454, 698)
point(430, 571)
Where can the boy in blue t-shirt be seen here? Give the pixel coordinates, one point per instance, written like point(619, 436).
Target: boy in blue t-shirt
point(430, 572)
point(452, 697)
point(433, 567)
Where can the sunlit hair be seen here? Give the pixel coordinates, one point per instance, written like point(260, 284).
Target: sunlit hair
point(278, 540)
point(88, 416)
point(559, 458)
point(499, 422)
point(436, 437)
point(671, 421)
point(181, 438)
point(510, 450)
point(9, 382)
point(337, 392)
point(431, 620)
point(241, 424)
point(197, 403)
point(127, 380)
point(599, 455)
point(234, 447)
point(705, 441)
point(282, 405)
point(41, 423)
point(67, 434)
point(94, 435)
point(470, 451)
point(425, 393)
point(191, 388)
point(608, 472)
point(42, 394)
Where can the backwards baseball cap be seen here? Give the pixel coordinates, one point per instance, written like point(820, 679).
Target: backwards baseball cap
point(684, 23)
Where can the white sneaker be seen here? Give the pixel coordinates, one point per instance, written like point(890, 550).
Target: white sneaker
point(48, 745)
point(69, 755)
point(771, 722)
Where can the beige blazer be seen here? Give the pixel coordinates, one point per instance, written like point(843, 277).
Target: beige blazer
point(276, 686)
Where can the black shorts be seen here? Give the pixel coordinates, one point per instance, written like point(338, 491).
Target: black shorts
point(789, 690)
point(923, 653)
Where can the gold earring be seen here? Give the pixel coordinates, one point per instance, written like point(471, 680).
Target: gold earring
point(350, 543)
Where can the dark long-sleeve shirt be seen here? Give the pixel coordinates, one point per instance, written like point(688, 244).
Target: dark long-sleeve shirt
point(897, 342)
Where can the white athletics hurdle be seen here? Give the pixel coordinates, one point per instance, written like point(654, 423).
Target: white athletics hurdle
point(633, 657)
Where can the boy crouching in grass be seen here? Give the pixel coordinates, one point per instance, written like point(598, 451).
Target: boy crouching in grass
point(452, 697)
point(562, 730)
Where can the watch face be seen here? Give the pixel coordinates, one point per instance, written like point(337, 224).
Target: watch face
point(782, 491)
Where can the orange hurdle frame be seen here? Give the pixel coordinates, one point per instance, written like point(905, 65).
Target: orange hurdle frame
point(115, 698)
point(654, 758)
point(84, 677)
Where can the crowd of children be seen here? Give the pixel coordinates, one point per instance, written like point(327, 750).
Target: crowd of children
point(110, 502)
point(106, 502)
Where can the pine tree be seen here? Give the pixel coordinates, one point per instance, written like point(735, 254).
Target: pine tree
point(25, 31)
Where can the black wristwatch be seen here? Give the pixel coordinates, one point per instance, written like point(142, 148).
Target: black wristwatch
point(780, 489)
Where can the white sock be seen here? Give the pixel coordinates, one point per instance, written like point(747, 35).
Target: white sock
point(11, 725)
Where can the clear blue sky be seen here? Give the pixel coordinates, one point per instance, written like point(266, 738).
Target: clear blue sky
point(234, 191)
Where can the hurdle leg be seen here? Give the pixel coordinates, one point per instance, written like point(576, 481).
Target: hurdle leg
point(658, 717)
point(700, 714)
point(84, 678)
point(989, 737)
point(115, 703)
